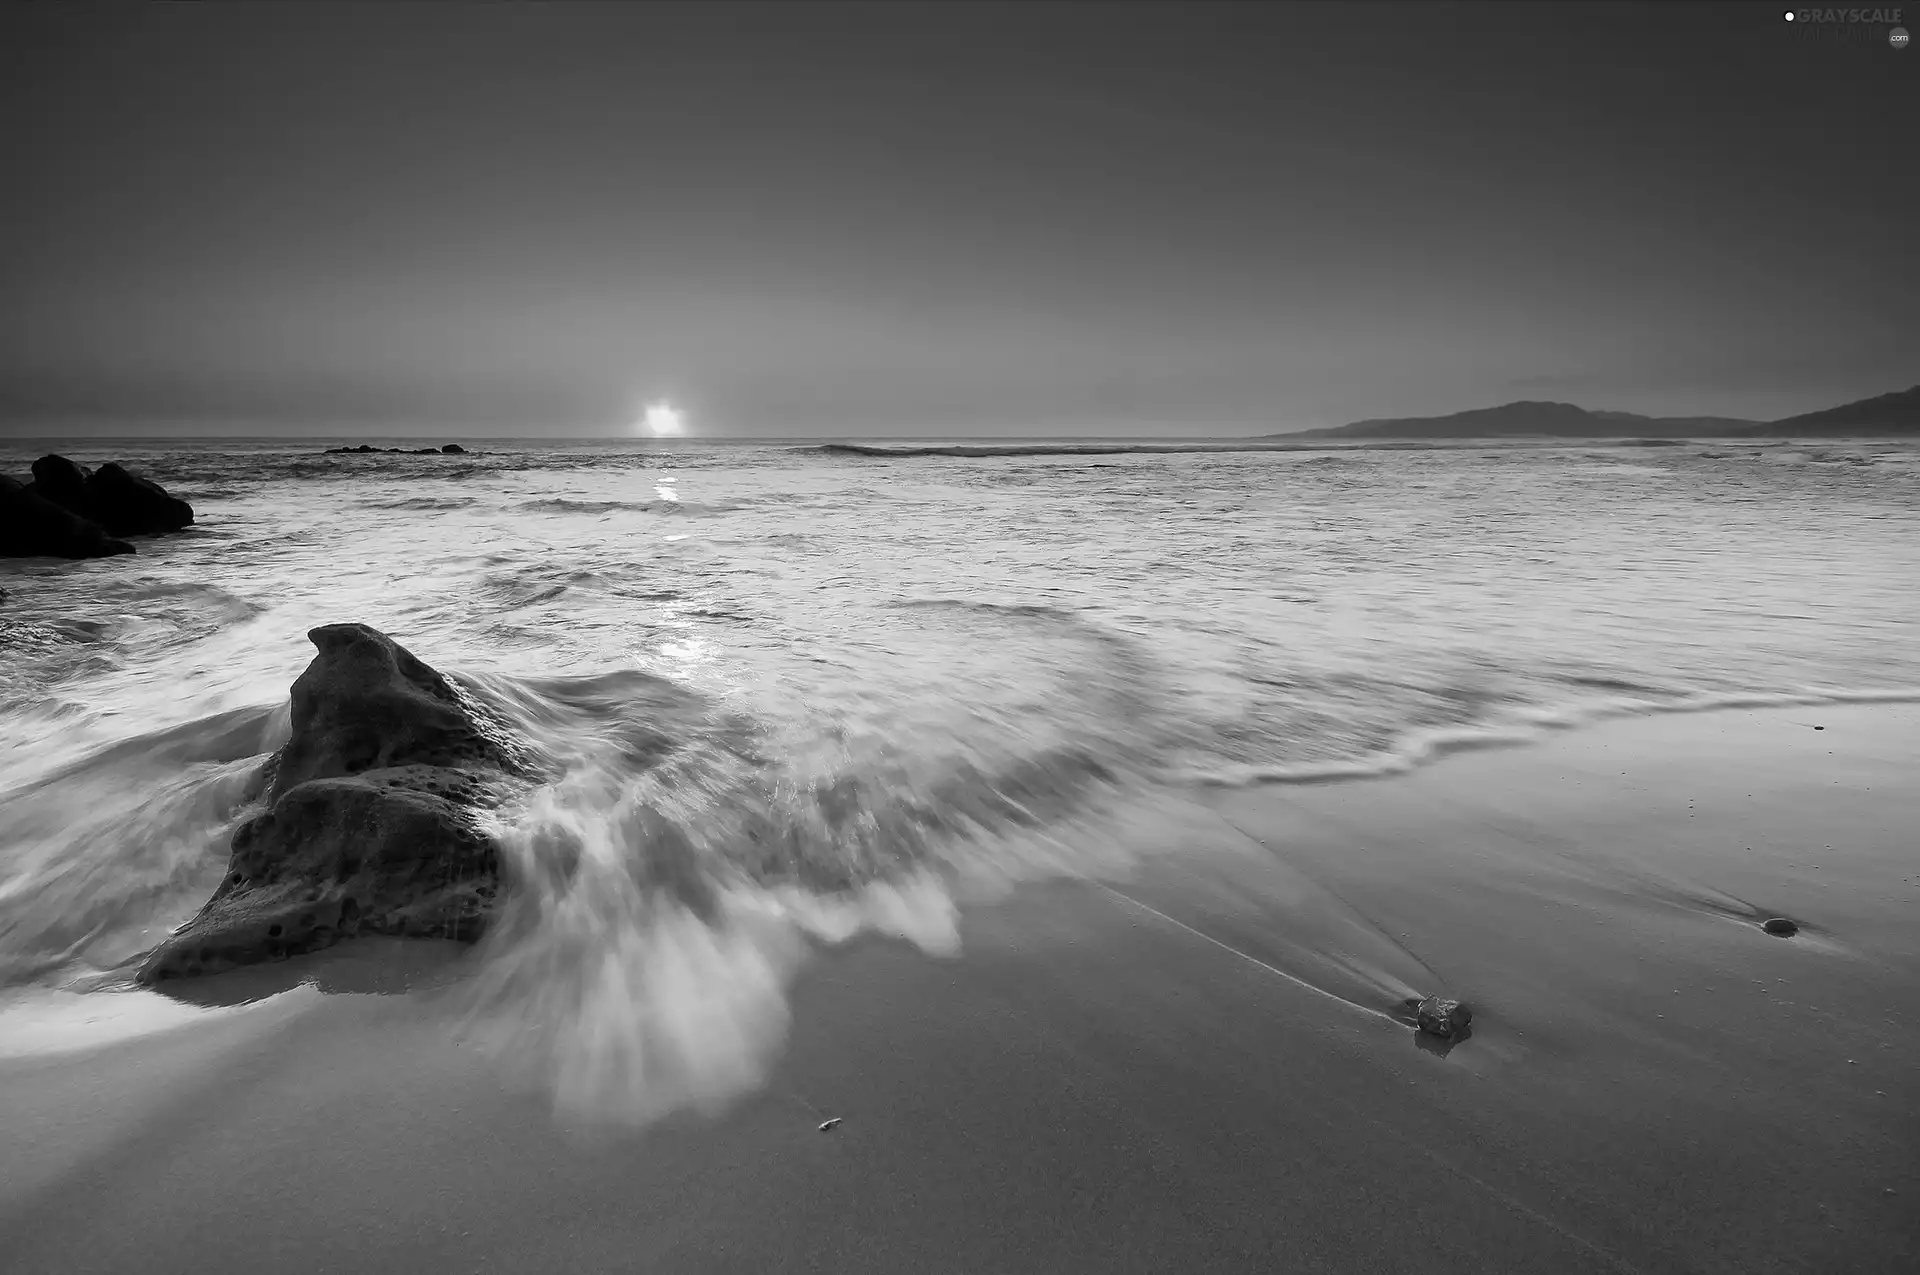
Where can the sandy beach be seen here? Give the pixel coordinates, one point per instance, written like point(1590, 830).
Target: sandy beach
point(1195, 1068)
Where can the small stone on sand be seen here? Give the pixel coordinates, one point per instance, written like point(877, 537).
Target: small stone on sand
point(1780, 927)
point(1446, 1019)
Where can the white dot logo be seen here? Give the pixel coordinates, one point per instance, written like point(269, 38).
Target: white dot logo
point(1789, 15)
point(1897, 37)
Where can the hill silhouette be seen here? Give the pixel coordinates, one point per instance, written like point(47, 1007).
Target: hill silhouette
point(1885, 415)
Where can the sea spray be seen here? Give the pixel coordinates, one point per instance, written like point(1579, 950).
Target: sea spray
point(668, 886)
point(100, 857)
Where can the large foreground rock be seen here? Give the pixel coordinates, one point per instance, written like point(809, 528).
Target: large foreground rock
point(31, 526)
point(124, 504)
point(373, 823)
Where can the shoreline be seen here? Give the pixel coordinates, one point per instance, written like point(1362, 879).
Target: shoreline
point(1652, 1083)
point(1540, 725)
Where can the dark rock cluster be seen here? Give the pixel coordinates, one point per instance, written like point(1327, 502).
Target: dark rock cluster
point(450, 449)
point(70, 511)
point(373, 819)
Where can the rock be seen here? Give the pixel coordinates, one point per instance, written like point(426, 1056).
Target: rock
point(1437, 1016)
point(367, 449)
point(64, 483)
point(129, 505)
point(122, 503)
point(31, 526)
point(1780, 927)
point(372, 823)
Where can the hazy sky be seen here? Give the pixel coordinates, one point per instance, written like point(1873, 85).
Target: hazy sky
point(901, 219)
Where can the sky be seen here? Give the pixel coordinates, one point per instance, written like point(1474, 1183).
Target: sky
point(898, 220)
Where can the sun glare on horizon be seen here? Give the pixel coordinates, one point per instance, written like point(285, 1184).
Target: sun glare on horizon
point(664, 420)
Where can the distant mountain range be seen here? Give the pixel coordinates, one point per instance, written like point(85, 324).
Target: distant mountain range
point(1894, 414)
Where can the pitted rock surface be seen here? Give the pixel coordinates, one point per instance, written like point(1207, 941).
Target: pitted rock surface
point(367, 703)
point(375, 815)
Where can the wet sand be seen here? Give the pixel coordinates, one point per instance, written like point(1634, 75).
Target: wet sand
point(1197, 1068)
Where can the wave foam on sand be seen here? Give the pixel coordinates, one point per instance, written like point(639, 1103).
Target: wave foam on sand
point(669, 882)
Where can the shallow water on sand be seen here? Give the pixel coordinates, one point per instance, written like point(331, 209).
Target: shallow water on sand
point(923, 675)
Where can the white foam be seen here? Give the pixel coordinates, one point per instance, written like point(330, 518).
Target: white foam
point(39, 1022)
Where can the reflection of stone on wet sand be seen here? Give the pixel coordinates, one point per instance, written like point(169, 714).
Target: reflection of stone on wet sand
point(1441, 1046)
point(359, 967)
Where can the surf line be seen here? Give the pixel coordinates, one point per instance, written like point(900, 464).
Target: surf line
point(1249, 959)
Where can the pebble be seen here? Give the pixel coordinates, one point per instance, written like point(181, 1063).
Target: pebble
point(1780, 927)
point(1438, 1016)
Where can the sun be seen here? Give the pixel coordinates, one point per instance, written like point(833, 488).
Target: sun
point(664, 420)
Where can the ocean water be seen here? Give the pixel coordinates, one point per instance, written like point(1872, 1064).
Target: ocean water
point(793, 693)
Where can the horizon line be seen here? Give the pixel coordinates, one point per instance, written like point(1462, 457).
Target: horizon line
point(374, 431)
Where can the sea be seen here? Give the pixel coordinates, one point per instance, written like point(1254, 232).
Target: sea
point(792, 693)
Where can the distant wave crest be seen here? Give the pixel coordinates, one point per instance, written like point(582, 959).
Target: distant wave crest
point(422, 504)
point(983, 450)
point(568, 505)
